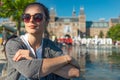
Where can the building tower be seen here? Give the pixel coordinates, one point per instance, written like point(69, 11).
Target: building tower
point(51, 28)
point(52, 15)
point(73, 12)
point(82, 22)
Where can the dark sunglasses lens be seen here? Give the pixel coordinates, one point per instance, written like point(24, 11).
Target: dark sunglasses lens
point(26, 17)
point(38, 17)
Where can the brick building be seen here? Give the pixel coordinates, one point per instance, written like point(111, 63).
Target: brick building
point(77, 25)
point(74, 26)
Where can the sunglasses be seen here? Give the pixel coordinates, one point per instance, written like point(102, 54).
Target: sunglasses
point(38, 17)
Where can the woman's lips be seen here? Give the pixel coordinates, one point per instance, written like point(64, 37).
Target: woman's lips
point(32, 26)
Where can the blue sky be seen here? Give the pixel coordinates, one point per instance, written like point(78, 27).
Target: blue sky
point(94, 9)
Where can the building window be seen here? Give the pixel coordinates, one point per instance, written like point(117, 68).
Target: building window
point(100, 24)
point(105, 24)
point(95, 24)
point(66, 20)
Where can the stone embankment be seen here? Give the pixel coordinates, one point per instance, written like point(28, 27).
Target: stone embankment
point(2, 64)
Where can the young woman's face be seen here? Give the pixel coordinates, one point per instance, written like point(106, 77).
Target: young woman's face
point(34, 20)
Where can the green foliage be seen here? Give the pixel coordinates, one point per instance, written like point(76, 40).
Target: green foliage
point(14, 9)
point(101, 34)
point(114, 32)
point(1, 29)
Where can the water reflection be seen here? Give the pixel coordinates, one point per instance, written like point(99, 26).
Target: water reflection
point(97, 63)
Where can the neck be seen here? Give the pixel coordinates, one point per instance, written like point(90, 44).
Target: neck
point(35, 40)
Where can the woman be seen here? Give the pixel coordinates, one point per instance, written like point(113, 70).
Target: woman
point(35, 58)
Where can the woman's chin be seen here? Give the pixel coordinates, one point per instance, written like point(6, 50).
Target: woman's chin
point(32, 31)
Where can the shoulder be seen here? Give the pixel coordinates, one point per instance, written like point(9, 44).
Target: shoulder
point(16, 41)
point(51, 49)
point(12, 46)
point(46, 40)
point(49, 43)
point(13, 40)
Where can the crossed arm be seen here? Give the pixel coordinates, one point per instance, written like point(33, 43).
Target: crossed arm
point(64, 66)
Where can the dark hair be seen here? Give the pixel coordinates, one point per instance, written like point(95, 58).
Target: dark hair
point(45, 9)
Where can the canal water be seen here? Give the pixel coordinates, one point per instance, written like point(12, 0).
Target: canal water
point(96, 62)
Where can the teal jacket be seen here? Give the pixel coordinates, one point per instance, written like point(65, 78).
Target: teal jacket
point(29, 69)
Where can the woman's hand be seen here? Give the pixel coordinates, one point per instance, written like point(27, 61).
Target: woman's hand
point(72, 61)
point(22, 54)
point(75, 63)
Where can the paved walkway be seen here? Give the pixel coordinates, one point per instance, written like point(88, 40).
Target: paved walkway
point(2, 55)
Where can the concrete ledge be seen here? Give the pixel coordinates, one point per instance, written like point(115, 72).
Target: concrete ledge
point(2, 62)
point(2, 78)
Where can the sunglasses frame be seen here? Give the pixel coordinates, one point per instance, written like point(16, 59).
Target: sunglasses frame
point(38, 17)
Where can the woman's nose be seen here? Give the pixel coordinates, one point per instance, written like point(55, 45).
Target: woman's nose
point(31, 19)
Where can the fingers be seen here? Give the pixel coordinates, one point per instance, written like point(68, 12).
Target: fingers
point(22, 54)
point(17, 55)
point(75, 63)
point(72, 61)
point(18, 58)
point(68, 58)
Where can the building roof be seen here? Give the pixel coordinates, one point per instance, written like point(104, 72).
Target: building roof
point(115, 20)
point(100, 24)
point(12, 29)
point(66, 19)
point(89, 24)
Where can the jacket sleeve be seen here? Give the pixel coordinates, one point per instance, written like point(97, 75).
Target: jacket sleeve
point(28, 68)
point(51, 49)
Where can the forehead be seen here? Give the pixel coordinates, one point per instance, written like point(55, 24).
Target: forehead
point(34, 9)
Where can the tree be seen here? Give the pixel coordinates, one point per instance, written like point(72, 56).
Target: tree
point(114, 32)
point(1, 29)
point(14, 9)
point(101, 34)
